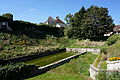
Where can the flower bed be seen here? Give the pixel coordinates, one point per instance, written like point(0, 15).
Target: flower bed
point(114, 58)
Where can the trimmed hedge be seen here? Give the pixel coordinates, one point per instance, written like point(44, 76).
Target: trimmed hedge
point(16, 71)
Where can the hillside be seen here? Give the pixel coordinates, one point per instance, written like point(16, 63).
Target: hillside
point(28, 38)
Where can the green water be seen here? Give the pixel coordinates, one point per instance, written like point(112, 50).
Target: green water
point(50, 59)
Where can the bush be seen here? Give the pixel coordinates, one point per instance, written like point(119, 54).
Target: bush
point(16, 71)
point(96, 63)
point(103, 50)
point(113, 39)
point(108, 76)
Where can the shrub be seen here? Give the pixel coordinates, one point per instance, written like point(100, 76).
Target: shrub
point(101, 76)
point(108, 76)
point(103, 50)
point(16, 71)
point(113, 39)
point(97, 61)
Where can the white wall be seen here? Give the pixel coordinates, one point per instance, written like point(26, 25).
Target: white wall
point(113, 65)
point(60, 25)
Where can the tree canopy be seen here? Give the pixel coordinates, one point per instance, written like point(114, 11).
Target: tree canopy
point(8, 16)
point(92, 23)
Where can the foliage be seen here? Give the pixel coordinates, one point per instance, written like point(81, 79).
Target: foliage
point(16, 71)
point(97, 61)
point(76, 69)
point(108, 76)
point(68, 19)
point(111, 46)
point(12, 46)
point(92, 23)
point(103, 65)
point(103, 50)
point(75, 22)
point(113, 39)
point(114, 50)
point(35, 31)
point(86, 44)
point(8, 16)
point(101, 76)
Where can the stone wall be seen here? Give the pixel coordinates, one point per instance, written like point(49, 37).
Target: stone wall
point(94, 71)
point(82, 50)
point(30, 57)
point(57, 63)
point(113, 65)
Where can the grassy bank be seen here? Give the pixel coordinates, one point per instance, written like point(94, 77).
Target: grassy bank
point(86, 44)
point(12, 46)
point(112, 46)
point(77, 69)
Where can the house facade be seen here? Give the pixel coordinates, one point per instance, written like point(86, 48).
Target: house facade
point(116, 29)
point(57, 22)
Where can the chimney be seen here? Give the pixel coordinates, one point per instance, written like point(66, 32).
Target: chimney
point(57, 17)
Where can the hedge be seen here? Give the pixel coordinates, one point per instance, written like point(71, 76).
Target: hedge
point(16, 71)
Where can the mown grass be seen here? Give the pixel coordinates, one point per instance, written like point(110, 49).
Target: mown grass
point(76, 69)
point(50, 59)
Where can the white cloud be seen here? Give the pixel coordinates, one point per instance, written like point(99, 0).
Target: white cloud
point(32, 9)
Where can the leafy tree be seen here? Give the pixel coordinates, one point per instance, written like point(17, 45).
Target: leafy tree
point(96, 22)
point(8, 16)
point(92, 23)
point(69, 19)
point(78, 17)
point(75, 22)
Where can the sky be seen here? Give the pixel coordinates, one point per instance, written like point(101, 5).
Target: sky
point(38, 11)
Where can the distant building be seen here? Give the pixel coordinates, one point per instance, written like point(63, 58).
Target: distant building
point(4, 24)
point(57, 22)
point(116, 29)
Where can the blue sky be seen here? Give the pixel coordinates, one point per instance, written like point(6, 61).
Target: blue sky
point(37, 11)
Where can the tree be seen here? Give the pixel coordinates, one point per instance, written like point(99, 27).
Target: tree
point(78, 16)
point(69, 18)
point(75, 23)
point(8, 16)
point(96, 22)
point(92, 23)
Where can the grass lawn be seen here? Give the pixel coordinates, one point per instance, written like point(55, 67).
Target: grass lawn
point(76, 69)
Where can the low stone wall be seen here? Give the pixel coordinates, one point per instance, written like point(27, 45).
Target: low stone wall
point(82, 50)
point(30, 57)
point(43, 69)
point(113, 65)
point(94, 71)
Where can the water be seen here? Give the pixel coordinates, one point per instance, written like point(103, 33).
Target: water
point(50, 59)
